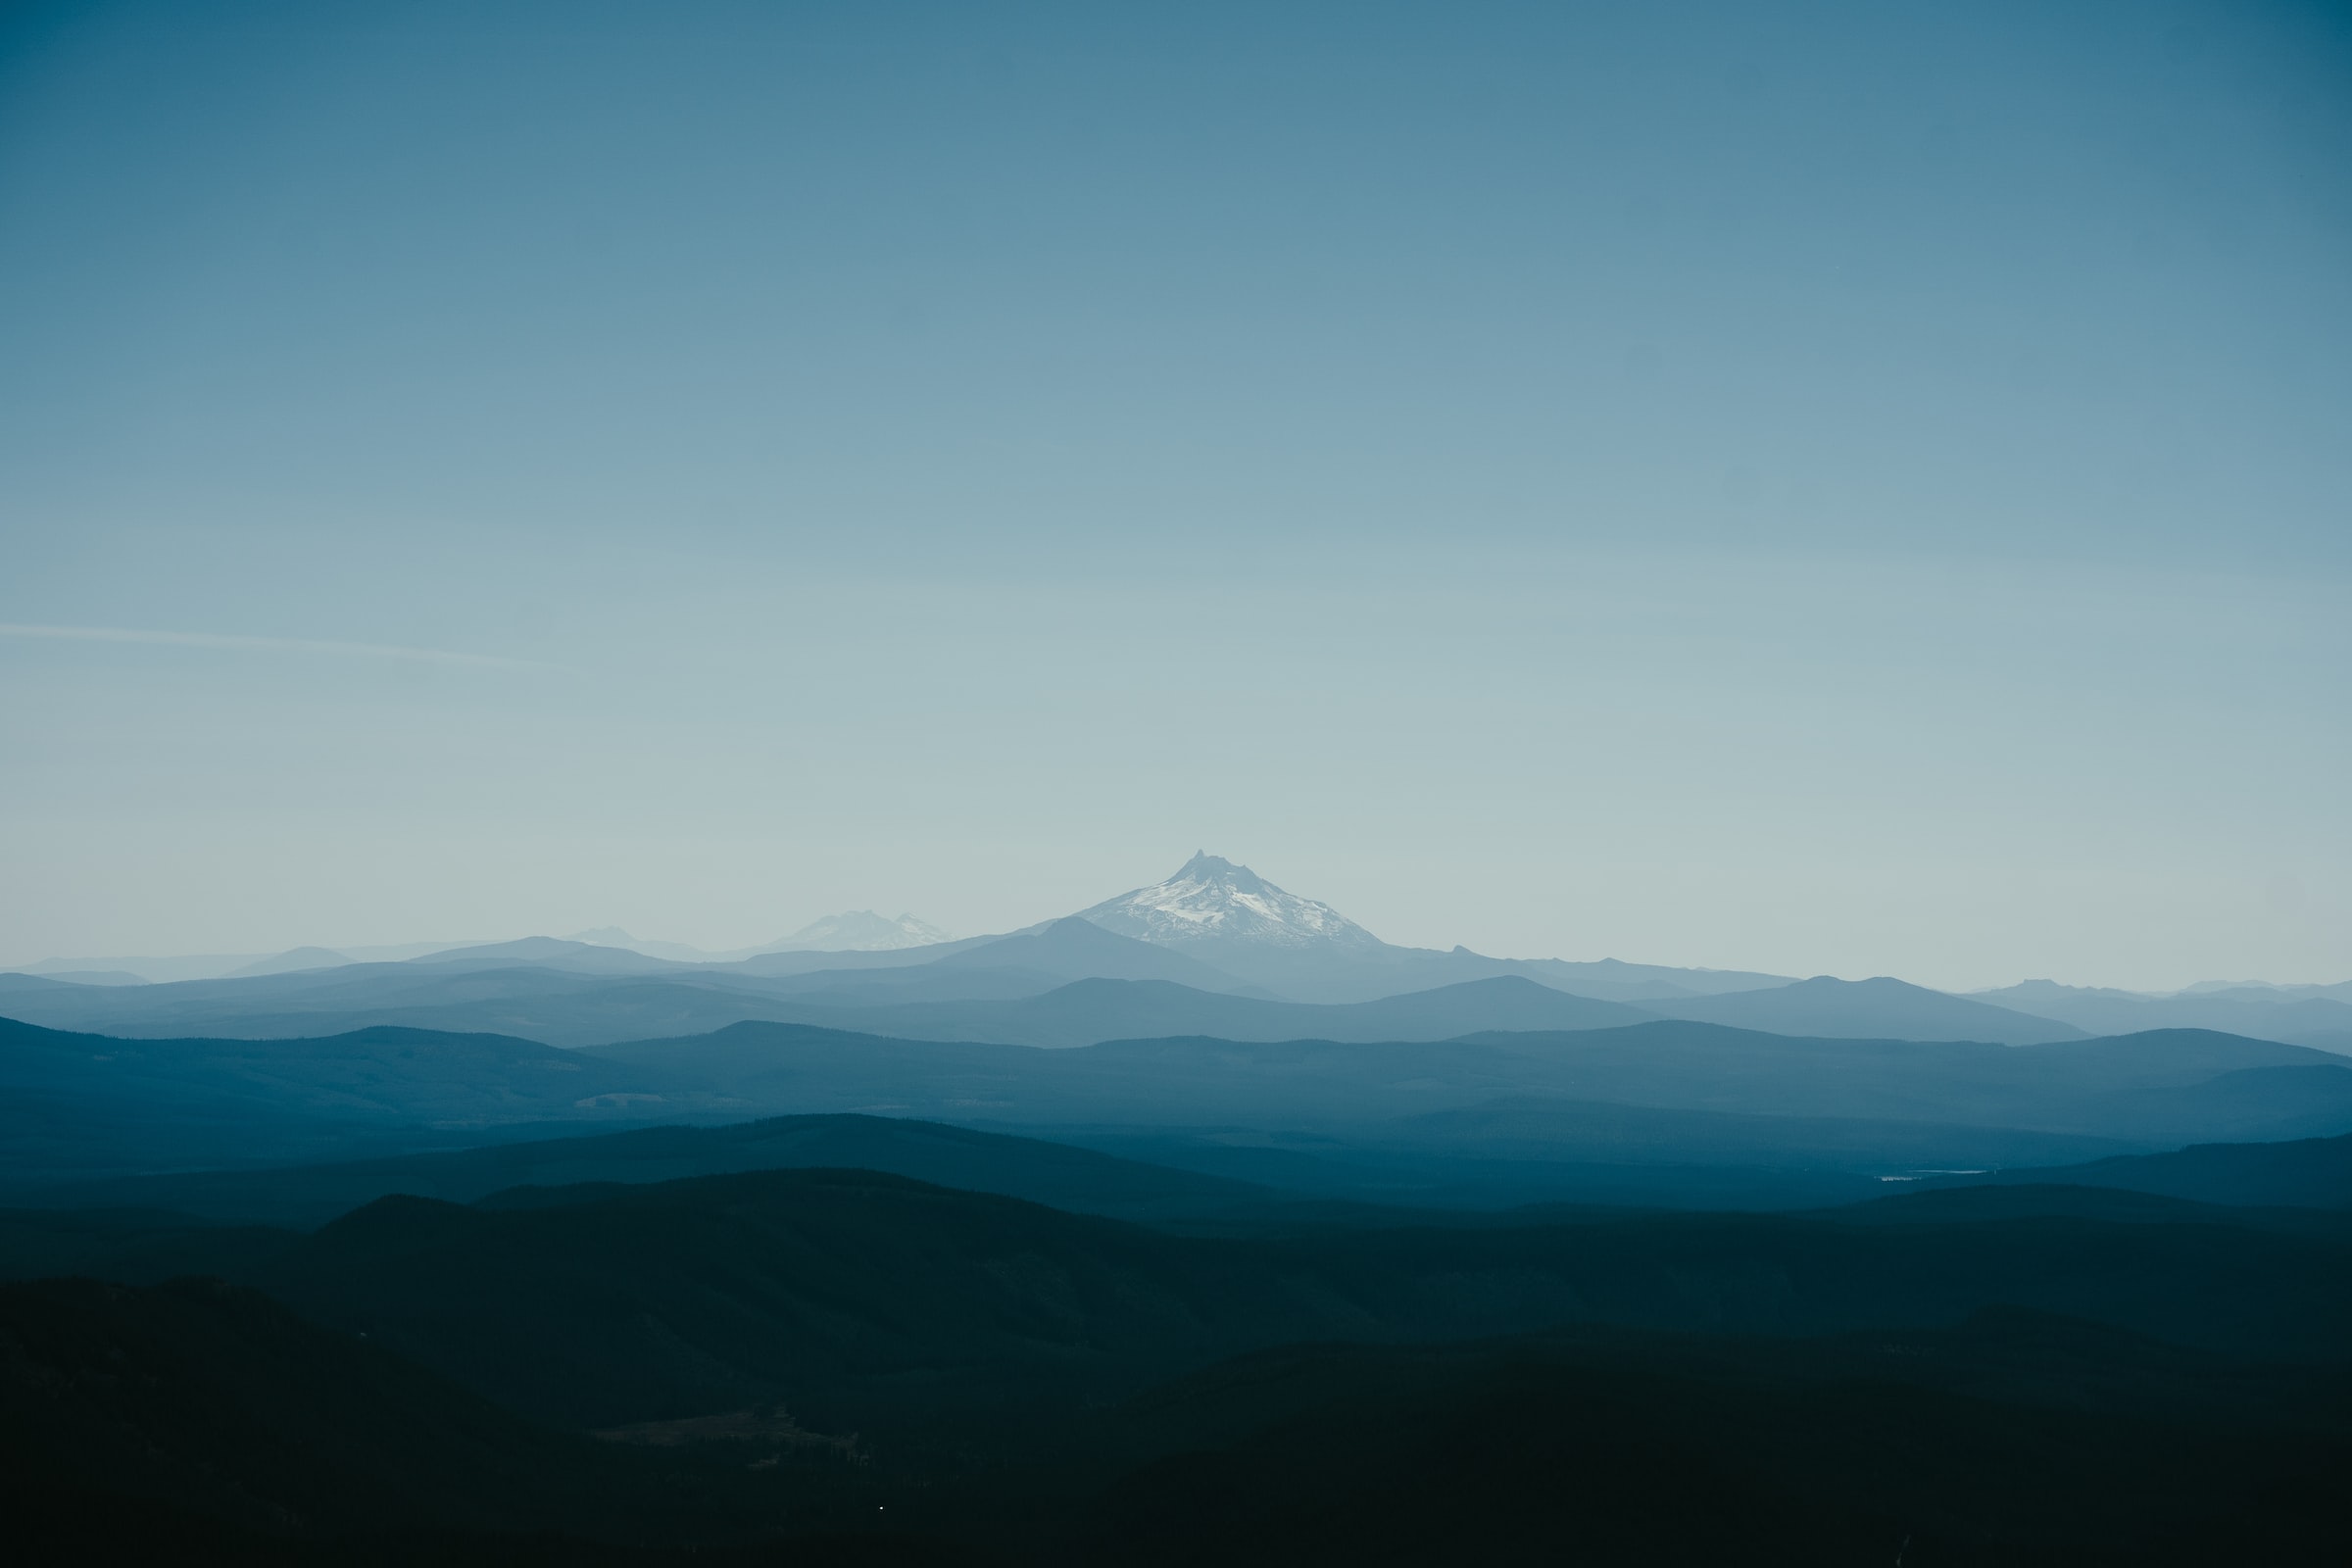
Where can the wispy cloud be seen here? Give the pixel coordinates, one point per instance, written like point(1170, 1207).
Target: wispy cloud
point(265, 645)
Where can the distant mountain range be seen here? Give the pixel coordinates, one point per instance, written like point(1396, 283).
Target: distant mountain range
point(1070, 983)
point(1233, 924)
point(1658, 1092)
point(858, 931)
point(1881, 1008)
point(1232, 954)
point(158, 970)
point(2305, 1015)
point(851, 931)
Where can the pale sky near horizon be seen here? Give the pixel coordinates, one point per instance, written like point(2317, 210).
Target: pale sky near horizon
point(1850, 488)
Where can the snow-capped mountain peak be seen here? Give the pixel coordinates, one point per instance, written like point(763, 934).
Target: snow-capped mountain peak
point(858, 931)
point(1213, 902)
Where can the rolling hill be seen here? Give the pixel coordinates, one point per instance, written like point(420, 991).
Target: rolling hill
point(196, 1423)
point(1089, 1013)
point(2154, 1090)
point(81, 1104)
point(85, 1104)
point(1063, 1177)
point(2299, 1174)
point(866, 1300)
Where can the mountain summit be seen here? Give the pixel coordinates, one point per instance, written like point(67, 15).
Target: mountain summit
point(1228, 916)
point(1213, 903)
point(858, 931)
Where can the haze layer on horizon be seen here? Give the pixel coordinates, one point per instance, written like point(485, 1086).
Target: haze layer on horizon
point(1847, 488)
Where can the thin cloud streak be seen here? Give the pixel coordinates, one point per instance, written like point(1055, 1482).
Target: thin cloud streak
point(265, 644)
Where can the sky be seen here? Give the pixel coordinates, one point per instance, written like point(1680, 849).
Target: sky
point(1850, 488)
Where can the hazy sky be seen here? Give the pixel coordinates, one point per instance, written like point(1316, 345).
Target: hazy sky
point(1854, 488)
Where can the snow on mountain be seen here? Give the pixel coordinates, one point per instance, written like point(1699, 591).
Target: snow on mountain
point(858, 931)
point(1215, 902)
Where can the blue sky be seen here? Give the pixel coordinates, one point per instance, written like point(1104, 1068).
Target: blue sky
point(1850, 488)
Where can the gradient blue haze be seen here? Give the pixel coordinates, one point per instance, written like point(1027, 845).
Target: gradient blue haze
point(1853, 488)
